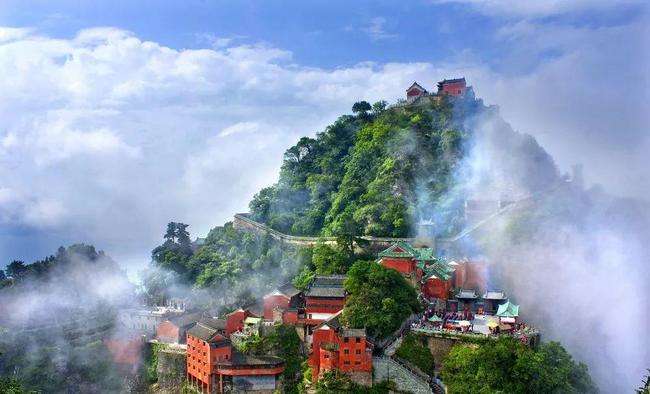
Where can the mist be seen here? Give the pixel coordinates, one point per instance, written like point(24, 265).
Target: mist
point(56, 317)
point(575, 259)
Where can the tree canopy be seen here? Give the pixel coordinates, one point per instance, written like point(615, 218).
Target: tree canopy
point(379, 299)
point(507, 366)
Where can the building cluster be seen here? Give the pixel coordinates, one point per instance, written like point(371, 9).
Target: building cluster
point(447, 87)
point(454, 291)
point(450, 287)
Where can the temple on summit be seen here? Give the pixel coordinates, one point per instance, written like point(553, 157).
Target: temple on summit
point(447, 87)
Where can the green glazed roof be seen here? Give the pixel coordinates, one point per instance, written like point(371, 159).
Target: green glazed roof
point(406, 250)
point(508, 310)
point(425, 259)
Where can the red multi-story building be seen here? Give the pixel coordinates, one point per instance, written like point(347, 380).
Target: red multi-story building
point(452, 87)
point(337, 347)
point(213, 366)
point(324, 298)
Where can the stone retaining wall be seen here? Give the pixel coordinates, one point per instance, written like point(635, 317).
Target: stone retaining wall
point(385, 368)
point(243, 222)
point(171, 369)
point(440, 348)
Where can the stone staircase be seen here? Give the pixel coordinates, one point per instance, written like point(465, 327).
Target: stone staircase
point(385, 368)
point(392, 347)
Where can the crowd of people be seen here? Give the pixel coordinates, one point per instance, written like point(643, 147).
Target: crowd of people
point(435, 318)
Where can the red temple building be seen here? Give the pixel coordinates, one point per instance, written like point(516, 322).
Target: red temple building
point(337, 347)
point(416, 94)
point(471, 275)
point(492, 300)
point(420, 267)
point(173, 330)
point(415, 91)
point(235, 320)
point(452, 87)
point(213, 366)
point(324, 298)
point(285, 301)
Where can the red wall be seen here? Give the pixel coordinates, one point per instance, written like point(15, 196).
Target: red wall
point(168, 332)
point(405, 266)
point(436, 288)
point(454, 88)
point(201, 360)
point(471, 275)
point(198, 363)
point(323, 305)
point(125, 351)
point(328, 360)
point(356, 358)
point(235, 321)
point(273, 301)
point(290, 317)
point(414, 93)
point(349, 361)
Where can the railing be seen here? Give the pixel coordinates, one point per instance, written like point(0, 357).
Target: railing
point(412, 368)
point(414, 376)
point(305, 239)
point(405, 327)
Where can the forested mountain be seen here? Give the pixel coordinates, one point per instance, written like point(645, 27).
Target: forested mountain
point(376, 172)
point(380, 171)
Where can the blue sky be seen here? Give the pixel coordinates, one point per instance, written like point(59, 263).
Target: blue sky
point(100, 90)
point(318, 33)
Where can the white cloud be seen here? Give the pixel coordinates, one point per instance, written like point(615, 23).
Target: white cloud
point(238, 128)
point(13, 33)
point(108, 137)
point(376, 29)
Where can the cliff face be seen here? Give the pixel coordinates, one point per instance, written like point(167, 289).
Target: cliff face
point(171, 370)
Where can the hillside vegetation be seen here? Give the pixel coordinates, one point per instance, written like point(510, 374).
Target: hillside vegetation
point(366, 173)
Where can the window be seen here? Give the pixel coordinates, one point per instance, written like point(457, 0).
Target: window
point(346, 363)
point(358, 340)
point(346, 340)
point(357, 363)
point(346, 351)
point(358, 351)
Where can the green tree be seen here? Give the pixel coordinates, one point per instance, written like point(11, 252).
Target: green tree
point(330, 259)
point(379, 107)
point(379, 299)
point(12, 386)
point(645, 388)
point(416, 352)
point(17, 269)
point(508, 366)
point(361, 108)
